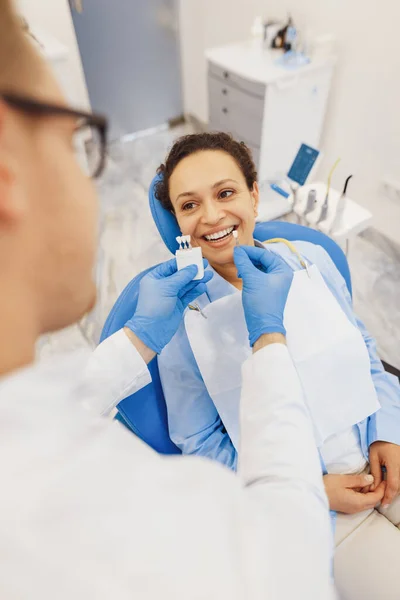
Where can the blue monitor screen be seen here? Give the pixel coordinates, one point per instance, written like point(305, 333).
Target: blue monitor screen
point(302, 164)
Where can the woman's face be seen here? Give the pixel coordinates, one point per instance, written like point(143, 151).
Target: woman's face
point(210, 198)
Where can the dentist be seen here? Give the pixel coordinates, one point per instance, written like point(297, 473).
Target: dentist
point(88, 511)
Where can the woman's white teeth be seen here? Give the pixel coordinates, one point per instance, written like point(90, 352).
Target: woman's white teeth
point(219, 235)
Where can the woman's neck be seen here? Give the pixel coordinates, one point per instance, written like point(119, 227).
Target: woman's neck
point(229, 273)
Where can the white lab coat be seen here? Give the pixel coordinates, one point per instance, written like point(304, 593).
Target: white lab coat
point(88, 511)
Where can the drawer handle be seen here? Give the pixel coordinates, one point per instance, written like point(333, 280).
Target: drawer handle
point(226, 74)
point(225, 110)
point(225, 91)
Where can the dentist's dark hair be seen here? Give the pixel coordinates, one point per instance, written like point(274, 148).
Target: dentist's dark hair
point(198, 142)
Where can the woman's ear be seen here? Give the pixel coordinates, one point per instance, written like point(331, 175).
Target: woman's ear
point(255, 194)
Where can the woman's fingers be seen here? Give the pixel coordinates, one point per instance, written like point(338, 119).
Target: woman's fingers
point(375, 465)
point(358, 502)
point(392, 486)
point(371, 499)
point(367, 488)
point(346, 492)
point(355, 482)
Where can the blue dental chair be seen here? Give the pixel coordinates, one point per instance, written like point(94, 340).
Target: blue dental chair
point(145, 412)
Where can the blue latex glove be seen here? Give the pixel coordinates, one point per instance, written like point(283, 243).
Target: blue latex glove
point(266, 284)
point(164, 293)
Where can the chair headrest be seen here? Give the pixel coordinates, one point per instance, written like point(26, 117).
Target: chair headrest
point(165, 221)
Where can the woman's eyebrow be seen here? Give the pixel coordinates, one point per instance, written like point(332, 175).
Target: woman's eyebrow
point(215, 185)
point(218, 183)
point(185, 195)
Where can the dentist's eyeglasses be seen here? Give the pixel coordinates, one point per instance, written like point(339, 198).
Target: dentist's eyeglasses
point(90, 131)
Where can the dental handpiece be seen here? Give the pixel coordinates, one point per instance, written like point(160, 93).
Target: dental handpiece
point(325, 206)
point(324, 210)
point(338, 218)
point(311, 201)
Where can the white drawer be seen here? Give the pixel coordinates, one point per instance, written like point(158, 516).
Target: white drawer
point(234, 110)
point(250, 87)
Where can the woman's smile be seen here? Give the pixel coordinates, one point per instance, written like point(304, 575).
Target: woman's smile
point(221, 236)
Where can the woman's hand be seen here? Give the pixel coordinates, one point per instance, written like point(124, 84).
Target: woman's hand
point(384, 454)
point(345, 493)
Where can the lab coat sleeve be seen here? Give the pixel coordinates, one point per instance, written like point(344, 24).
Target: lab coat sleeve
point(384, 425)
point(193, 421)
point(280, 466)
point(117, 369)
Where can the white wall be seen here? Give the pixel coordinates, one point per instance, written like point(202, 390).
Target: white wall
point(54, 17)
point(206, 24)
point(363, 121)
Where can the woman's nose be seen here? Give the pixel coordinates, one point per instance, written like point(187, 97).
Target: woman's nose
point(212, 213)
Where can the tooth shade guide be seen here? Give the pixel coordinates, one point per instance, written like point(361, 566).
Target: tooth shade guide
point(184, 242)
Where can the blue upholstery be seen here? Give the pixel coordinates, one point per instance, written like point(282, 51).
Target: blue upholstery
point(145, 412)
point(166, 223)
point(292, 231)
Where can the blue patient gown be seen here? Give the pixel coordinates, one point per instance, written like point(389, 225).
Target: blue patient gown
point(194, 424)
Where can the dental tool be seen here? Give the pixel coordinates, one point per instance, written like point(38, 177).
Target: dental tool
point(187, 255)
point(236, 236)
point(338, 218)
point(325, 206)
point(197, 308)
point(311, 202)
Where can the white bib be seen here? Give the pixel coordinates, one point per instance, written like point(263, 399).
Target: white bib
point(328, 351)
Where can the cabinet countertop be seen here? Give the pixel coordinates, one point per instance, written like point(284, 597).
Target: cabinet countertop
point(258, 64)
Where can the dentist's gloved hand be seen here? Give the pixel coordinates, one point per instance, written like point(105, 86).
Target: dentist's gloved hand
point(164, 293)
point(266, 284)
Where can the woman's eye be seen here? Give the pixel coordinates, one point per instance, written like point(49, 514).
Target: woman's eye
point(188, 206)
point(226, 194)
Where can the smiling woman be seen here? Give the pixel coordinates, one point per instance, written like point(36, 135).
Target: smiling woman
point(210, 184)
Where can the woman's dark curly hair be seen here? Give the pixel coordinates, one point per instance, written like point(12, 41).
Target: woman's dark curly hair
point(196, 142)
